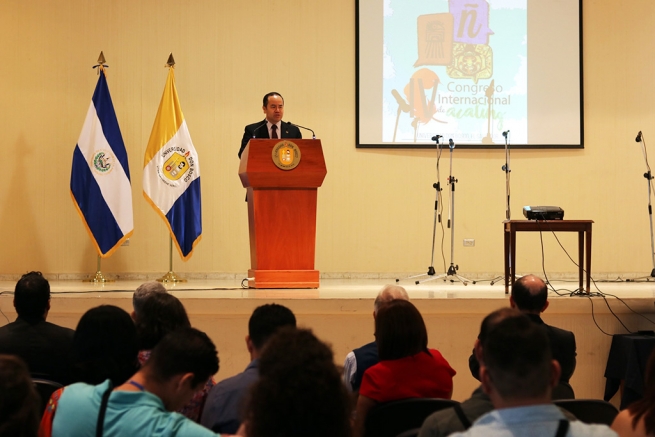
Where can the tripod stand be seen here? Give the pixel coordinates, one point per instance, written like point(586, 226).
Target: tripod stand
point(437, 215)
point(508, 211)
point(451, 273)
point(649, 178)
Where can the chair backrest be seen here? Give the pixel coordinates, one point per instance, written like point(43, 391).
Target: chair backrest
point(392, 418)
point(590, 410)
point(45, 388)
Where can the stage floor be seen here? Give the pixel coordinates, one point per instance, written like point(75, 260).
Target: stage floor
point(337, 289)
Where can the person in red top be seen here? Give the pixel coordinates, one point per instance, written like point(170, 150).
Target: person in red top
point(407, 368)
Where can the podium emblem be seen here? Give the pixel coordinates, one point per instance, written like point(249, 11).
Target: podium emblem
point(286, 155)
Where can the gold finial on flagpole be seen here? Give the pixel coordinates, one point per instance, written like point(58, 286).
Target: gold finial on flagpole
point(171, 62)
point(101, 63)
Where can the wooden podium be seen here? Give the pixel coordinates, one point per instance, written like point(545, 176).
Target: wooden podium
point(282, 212)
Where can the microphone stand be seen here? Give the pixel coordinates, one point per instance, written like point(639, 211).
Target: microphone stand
point(508, 212)
point(437, 216)
point(649, 178)
point(452, 270)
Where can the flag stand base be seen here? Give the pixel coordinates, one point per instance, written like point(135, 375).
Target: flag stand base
point(171, 277)
point(98, 278)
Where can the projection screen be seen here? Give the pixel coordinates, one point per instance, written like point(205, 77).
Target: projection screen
point(474, 71)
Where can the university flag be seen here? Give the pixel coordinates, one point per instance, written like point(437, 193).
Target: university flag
point(100, 176)
point(171, 174)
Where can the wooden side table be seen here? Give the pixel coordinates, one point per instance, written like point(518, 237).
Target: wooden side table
point(582, 227)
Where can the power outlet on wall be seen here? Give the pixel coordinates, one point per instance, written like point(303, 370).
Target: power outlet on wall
point(469, 242)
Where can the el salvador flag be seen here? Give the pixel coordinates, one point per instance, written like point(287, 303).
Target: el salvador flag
point(100, 176)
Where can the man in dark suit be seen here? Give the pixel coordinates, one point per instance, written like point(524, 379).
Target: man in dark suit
point(530, 296)
point(44, 346)
point(272, 126)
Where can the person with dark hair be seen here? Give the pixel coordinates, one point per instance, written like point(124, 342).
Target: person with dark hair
point(142, 293)
point(638, 419)
point(45, 347)
point(360, 359)
point(530, 296)
point(160, 314)
point(19, 402)
point(272, 126)
point(407, 368)
point(104, 347)
point(299, 391)
point(518, 373)
point(179, 366)
point(224, 402)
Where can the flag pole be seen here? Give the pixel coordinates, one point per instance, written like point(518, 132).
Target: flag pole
point(99, 278)
point(170, 276)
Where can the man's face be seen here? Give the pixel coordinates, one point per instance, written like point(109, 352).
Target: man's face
point(274, 110)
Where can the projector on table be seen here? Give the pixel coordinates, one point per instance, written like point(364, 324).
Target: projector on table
point(543, 213)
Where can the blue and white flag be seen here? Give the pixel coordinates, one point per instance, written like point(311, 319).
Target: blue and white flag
point(171, 172)
point(100, 177)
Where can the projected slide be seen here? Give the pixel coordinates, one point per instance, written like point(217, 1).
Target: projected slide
point(469, 70)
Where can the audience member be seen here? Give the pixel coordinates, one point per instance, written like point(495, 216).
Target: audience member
point(360, 359)
point(104, 347)
point(407, 368)
point(530, 296)
point(639, 418)
point(160, 314)
point(299, 392)
point(19, 402)
point(518, 373)
point(45, 347)
point(224, 402)
point(142, 293)
point(179, 366)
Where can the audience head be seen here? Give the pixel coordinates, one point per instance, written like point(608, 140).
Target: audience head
point(104, 346)
point(400, 330)
point(299, 391)
point(387, 294)
point(160, 314)
point(32, 296)
point(529, 294)
point(490, 322)
point(265, 320)
point(19, 402)
point(517, 365)
point(186, 357)
point(143, 292)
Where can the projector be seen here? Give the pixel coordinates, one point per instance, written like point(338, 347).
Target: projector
point(543, 213)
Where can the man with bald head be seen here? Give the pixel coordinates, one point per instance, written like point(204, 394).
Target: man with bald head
point(530, 296)
point(360, 359)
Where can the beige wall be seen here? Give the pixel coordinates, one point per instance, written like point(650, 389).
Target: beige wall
point(376, 206)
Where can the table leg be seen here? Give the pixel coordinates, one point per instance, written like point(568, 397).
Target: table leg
point(581, 252)
point(506, 257)
point(512, 256)
point(588, 255)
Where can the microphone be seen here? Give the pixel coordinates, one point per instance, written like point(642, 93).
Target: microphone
point(303, 127)
point(256, 128)
point(436, 137)
point(638, 139)
point(505, 133)
point(451, 143)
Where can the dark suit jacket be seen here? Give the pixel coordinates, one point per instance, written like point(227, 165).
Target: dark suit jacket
point(259, 130)
point(44, 346)
point(562, 344)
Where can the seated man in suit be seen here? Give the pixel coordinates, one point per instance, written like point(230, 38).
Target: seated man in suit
point(530, 296)
point(272, 126)
point(44, 346)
